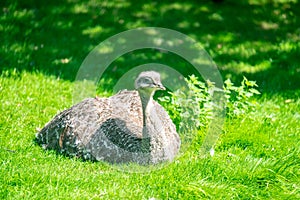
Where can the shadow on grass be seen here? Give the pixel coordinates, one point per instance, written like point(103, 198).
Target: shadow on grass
point(245, 38)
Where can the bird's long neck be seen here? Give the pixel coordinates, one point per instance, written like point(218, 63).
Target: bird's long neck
point(146, 100)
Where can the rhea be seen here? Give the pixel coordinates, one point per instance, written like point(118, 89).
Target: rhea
point(127, 127)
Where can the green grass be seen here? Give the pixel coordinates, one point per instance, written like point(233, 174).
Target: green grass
point(257, 155)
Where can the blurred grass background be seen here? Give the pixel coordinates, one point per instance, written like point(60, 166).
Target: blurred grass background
point(258, 39)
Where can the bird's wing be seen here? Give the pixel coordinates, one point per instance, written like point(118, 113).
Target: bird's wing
point(92, 125)
point(73, 126)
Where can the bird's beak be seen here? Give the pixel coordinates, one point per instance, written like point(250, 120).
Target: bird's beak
point(161, 87)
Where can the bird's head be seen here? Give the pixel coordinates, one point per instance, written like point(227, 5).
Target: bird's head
point(149, 81)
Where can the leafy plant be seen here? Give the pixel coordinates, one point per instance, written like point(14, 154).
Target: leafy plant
point(239, 98)
point(193, 107)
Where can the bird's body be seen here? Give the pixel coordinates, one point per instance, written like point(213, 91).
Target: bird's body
point(127, 127)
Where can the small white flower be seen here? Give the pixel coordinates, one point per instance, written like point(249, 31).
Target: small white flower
point(212, 152)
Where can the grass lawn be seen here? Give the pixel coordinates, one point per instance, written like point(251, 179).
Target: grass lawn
point(257, 155)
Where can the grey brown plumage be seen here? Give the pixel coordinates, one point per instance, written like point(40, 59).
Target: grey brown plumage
point(127, 127)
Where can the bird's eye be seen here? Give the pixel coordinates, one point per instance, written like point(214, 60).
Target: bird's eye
point(148, 81)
